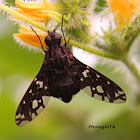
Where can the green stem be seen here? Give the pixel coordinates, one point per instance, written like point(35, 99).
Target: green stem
point(128, 62)
point(93, 50)
point(23, 18)
point(132, 40)
point(44, 28)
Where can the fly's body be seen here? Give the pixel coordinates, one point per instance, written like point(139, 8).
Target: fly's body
point(62, 76)
point(59, 63)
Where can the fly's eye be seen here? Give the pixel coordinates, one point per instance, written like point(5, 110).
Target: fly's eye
point(57, 36)
point(48, 40)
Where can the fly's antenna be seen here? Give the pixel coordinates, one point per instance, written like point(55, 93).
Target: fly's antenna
point(62, 30)
point(39, 39)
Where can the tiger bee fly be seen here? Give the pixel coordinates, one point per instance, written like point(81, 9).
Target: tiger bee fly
point(63, 76)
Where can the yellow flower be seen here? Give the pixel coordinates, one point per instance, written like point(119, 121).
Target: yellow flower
point(124, 10)
point(26, 35)
point(33, 10)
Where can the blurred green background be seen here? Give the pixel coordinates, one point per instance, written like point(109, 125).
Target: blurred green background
point(18, 67)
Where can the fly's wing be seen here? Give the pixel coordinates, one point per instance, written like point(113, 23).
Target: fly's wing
point(34, 100)
point(97, 85)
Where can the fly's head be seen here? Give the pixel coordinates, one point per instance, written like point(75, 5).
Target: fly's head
point(52, 38)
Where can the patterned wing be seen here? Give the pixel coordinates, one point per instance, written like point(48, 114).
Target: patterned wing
point(97, 85)
point(34, 100)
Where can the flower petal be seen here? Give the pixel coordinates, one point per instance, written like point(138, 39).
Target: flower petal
point(27, 36)
point(124, 10)
point(33, 10)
